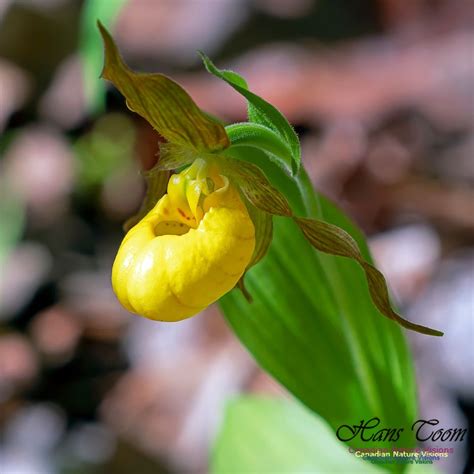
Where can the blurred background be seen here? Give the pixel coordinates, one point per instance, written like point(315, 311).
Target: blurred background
point(381, 94)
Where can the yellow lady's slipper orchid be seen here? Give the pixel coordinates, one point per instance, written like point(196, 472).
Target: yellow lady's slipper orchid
point(188, 251)
point(198, 240)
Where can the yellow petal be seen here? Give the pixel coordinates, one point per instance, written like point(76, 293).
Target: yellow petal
point(168, 271)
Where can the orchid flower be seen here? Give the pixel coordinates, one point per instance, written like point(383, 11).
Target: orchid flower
point(202, 228)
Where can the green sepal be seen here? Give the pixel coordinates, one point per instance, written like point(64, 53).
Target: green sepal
point(172, 157)
point(263, 223)
point(331, 239)
point(277, 435)
point(260, 111)
point(163, 103)
point(255, 186)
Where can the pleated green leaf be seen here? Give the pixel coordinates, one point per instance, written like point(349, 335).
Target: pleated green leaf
point(163, 103)
point(264, 435)
point(313, 326)
point(261, 112)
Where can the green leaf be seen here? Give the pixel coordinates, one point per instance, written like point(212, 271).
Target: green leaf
point(279, 436)
point(260, 111)
point(90, 48)
point(313, 325)
point(295, 331)
point(422, 469)
point(263, 223)
point(12, 219)
point(104, 150)
point(163, 103)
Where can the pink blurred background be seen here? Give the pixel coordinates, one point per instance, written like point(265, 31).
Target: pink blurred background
point(381, 93)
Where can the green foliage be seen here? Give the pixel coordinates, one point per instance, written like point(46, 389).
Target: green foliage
point(315, 324)
point(272, 134)
point(262, 435)
point(12, 222)
point(278, 436)
point(104, 151)
point(326, 344)
point(90, 47)
point(12, 219)
point(323, 236)
point(261, 112)
point(258, 136)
